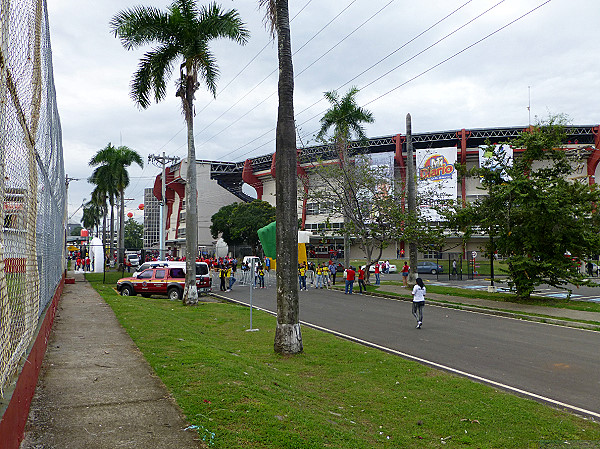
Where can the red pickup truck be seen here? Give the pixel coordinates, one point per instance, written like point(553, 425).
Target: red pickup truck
point(169, 281)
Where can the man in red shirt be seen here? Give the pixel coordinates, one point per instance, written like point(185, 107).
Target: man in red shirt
point(361, 280)
point(350, 275)
point(377, 279)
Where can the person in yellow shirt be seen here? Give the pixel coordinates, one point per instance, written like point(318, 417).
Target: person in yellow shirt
point(319, 271)
point(261, 277)
point(326, 275)
point(302, 276)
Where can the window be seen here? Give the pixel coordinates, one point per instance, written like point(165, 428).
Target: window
point(312, 208)
point(145, 274)
point(177, 273)
point(432, 255)
point(201, 269)
point(160, 274)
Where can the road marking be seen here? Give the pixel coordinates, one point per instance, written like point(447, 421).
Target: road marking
point(433, 364)
point(561, 295)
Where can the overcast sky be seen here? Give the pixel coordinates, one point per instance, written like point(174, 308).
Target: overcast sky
point(405, 56)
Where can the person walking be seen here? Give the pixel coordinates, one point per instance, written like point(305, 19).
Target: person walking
point(454, 271)
point(361, 280)
point(418, 301)
point(350, 275)
point(261, 277)
point(405, 270)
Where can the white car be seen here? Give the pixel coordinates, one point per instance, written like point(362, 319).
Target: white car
point(133, 259)
point(393, 268)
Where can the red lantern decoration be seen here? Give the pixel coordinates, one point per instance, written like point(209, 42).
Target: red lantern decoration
point(130, 214)
point(141, 206)
point(84, 233)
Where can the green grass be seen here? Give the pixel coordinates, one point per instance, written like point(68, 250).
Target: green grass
point(336, 394)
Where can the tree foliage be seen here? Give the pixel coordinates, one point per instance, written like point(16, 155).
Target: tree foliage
point(540, 220)
point(372, 203)
point(345, 118)
point(238, 223)
point(134, 234)
point(112, 178)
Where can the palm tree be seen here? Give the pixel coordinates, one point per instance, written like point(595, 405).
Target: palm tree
point(103, 178)
point(116, 160)
point(181, 33)
point(92, 215)
point(288, 338)
point(346, 119)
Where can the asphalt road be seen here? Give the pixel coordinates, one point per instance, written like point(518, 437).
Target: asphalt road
point(554, 363)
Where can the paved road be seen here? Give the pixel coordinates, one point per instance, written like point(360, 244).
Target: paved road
point(554, 362)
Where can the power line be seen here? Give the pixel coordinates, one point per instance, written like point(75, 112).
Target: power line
point(234, 78)
point(411, 79)
point(304, 70)
point(267, 77)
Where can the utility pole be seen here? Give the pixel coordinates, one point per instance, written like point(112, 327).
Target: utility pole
point(412, 200)
point(162, 161)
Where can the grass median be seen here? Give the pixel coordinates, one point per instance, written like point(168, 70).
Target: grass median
point(239, 393)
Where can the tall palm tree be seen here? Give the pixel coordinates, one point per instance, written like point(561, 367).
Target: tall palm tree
point(116, 160)
point(182, 34)
point(346, 119)
point(288, 338)
point(103, 178)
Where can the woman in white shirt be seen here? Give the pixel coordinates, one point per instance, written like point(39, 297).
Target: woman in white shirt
point(418, 301)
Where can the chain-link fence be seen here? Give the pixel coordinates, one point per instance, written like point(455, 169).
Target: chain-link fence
point(32, 180)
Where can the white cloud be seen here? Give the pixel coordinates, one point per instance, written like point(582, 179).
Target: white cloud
point(550, 50)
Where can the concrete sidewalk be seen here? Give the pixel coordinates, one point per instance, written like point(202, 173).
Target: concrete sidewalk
point(95, 389)
point(538, 313)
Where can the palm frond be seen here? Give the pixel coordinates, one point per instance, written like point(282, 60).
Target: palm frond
point(139, 26)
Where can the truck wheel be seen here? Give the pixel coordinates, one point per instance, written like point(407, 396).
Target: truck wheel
point(174, 294)
point(127, 290)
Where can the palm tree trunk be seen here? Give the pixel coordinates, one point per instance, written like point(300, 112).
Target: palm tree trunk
point(190, 294)
point(412, 200)
point(288, 337)
point(122, 230)
point(111, 256)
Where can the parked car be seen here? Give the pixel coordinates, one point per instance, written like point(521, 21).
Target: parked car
point(133, 260)
point(202, 268)
point(429, 267)
point(169, 281)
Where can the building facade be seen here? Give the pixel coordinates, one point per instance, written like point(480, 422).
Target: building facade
point(220, 183)
point(212, 194)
